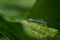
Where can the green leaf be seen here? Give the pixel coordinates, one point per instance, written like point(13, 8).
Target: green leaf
point(15, 10)
point(47, 10)
point(38, 31)
point(12, 31)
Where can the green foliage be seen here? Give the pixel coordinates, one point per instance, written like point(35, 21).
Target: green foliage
point(38, 31)
point(49, 10)
point(15, 10)
point(15, 26)
point(12, 31)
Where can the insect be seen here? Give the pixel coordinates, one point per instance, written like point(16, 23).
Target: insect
point(41, 21)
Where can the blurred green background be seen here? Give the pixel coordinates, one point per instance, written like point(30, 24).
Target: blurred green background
point(12, 12)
